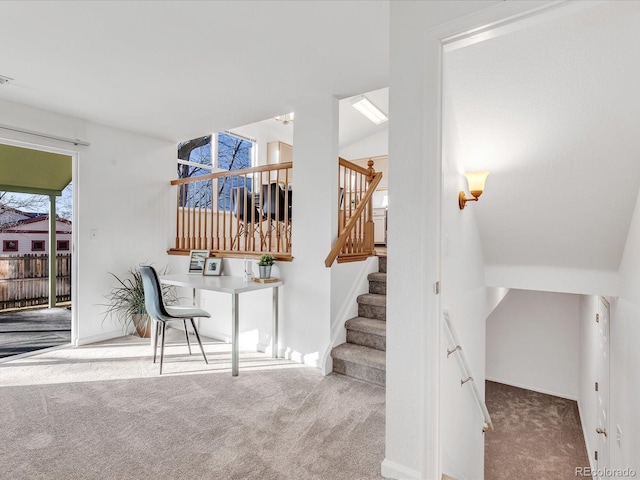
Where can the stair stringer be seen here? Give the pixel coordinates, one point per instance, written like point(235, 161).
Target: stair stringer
point(347, 305)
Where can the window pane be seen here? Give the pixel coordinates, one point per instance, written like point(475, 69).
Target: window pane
point(234, 153)
point(192, 154)
point(196, 152)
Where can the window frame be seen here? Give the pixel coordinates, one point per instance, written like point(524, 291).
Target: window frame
point(33, 246)
point(59, 248)
point(6, 243)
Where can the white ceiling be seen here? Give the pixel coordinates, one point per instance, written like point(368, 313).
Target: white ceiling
point(180, 69)
point(552, 111)
point(354, 126)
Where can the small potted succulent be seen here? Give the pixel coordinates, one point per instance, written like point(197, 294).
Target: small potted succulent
point(265, 264)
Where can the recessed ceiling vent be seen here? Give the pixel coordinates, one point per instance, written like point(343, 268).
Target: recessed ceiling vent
point(4, 79)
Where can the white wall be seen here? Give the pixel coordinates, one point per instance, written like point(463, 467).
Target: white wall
point(121, 191)
point(373, 146)
point(495, 295)
point(307, 309)
point(265, 132)
point(533, 342)
point(413, 345)
point(625, 355)
point(464, 297)
point(553, 279)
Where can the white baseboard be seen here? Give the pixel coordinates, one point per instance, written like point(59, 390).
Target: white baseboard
point(534, 389)
point(98, 338)
point(396, 471)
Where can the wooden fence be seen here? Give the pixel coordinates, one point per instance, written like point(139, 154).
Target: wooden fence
point(24, 280)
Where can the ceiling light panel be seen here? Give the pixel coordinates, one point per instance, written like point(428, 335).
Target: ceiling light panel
point(369, 110)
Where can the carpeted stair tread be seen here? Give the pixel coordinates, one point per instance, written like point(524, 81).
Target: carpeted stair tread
point(351, 353)
point(374, 299)
point(364, 355)
point(367, 332)
point(372, 305)
point(377, 277)
point(377, 283)
point(367, 325)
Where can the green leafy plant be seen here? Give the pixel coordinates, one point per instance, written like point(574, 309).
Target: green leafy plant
point(125, 301)
point(266, 260)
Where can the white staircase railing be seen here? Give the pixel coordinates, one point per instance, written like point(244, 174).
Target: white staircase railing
point(465, 369)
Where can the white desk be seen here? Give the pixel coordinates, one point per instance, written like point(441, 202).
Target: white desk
point(234, 286)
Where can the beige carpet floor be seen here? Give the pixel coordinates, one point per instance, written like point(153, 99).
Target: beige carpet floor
point(536, 436)
point(102, 412)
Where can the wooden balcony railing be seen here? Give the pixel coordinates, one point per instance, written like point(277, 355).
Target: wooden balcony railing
point(236, 213)
point(355, 212)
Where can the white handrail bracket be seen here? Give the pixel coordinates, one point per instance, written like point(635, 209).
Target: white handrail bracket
point(465, 369)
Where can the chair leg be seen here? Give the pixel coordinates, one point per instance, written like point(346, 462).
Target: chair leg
point(186, 334)
point(164, 327)
point(155, 339)
point(195, 330)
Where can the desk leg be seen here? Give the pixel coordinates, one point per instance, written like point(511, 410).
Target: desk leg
point(234, 335)
point(274, 319)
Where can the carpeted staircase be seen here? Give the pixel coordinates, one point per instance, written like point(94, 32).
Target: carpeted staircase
point(363, 356)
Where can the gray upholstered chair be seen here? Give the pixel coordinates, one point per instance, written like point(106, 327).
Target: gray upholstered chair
point(162, 314)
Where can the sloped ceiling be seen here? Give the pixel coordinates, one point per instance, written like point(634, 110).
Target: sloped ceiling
point(552, 110)
point(179, 70)
point(354, 126)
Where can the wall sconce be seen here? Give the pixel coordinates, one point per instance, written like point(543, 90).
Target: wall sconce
point(476, 187)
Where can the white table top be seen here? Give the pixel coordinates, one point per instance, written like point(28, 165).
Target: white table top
point(222, 283)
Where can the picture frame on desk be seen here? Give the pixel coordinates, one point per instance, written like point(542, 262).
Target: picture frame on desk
point(196, 260)
point(212, 266)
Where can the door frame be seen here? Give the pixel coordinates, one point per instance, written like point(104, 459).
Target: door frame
point(603, 377)
point(74, 230)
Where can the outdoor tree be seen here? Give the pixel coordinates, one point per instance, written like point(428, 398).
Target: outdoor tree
point(233, 153)
point(31, 203)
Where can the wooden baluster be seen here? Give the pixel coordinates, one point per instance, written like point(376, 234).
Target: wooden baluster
point(185, 219)
point(361, 190)
point(178, 216)
point(245, 217)
point(369, 226)
point(198, 213)
point(188, 207)
point(343, 208)
point(215, 206)
point(209, 218)
point(286, 231)
point(260, 203)
point(223, 209)
point(269, 212)
point(179, 223)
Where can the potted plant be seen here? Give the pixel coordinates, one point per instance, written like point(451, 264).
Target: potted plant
point(265, 264)
point(125, 302)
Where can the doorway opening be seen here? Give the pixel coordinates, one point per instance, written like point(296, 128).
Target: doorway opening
point(36, 244)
